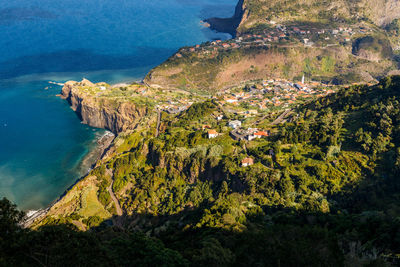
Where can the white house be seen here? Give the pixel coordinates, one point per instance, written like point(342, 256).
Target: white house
point(235, 124)
point(212, 134)
point(231, 100)
point(251, 137)
point(252, 112)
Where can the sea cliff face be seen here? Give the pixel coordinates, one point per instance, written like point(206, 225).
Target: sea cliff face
point(229, 25)
point(102, 112)
point(258, 12)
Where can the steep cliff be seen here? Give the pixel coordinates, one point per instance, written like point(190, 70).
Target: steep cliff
point(112, 114)
point(228, 25)
point(325, 40)
point(258, 12)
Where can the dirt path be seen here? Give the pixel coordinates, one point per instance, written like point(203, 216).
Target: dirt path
point(80, 225)
point(117, 206)
point(113, 197)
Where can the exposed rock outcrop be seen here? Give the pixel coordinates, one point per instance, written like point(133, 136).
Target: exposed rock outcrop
point(372, 48)
point(98, 112)
point(381, 12)
point(250, 13)
point(229, 25)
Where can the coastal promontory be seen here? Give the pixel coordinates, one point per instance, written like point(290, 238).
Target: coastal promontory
point(100, 105)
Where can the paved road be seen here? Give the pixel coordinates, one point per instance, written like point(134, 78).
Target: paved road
point(281, 117)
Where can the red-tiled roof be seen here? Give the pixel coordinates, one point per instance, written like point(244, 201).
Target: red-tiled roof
point(248, 161)
point(262, 133)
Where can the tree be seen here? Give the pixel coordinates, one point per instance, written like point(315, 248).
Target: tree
point(10, 231)
point(327, 64)
point(213, 253)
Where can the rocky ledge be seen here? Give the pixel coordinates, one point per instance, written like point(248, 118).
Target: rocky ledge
point(229, 25)
point(101, 112)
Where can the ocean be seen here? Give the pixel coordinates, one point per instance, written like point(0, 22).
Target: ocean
point(42, 142)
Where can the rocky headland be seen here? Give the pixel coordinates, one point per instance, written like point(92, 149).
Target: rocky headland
point(228, 25)
point(116, 115)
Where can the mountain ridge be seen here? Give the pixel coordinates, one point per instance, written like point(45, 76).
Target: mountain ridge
point(365, 51)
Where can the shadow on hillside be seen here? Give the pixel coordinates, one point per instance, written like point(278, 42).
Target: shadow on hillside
point(360, 230)
point(276, 236)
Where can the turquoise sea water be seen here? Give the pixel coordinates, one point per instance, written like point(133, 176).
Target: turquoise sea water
point(42, 141)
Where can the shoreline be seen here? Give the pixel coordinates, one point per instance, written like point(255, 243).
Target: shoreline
point(104, 142)
point(96, 153)
point(227, 25)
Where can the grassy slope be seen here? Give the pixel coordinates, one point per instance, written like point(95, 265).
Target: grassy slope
point(230, 67)
point(233, 67)
point(315, 11)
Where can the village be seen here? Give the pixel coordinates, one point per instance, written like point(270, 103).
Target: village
point(248, 112)
point(251, 100)
point(277, 34)
point(252, 110)
point(266, 94)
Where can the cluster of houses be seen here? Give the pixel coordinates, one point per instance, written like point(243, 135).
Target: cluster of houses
point(248, 134)
point(174, 106)
point(306, 35)
point(269, 93)
point(238, 133)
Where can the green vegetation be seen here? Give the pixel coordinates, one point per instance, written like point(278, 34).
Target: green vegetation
point(323, 189)
point(63, 245)
point(378, 47)
point(320, 190)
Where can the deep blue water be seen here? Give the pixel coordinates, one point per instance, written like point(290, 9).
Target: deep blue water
point(42, 141)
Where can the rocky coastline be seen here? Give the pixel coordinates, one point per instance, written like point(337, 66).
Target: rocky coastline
point(103, 113)
point(119, 118)
point(104, 143)
point(228, 25)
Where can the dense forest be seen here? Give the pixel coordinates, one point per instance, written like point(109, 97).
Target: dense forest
point(324, 190)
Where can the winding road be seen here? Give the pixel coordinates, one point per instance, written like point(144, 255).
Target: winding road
point(119, 219)
point(114, 198)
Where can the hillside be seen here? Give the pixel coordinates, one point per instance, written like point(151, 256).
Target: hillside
point(279, 147)
point(323, 171)
point(259, 12)
point(338, 42)
point(117, 108)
